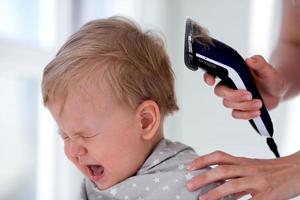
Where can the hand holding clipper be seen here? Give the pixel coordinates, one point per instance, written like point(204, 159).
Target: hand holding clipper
point(220, 60)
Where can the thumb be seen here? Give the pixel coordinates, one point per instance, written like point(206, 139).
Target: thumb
point(268, 80)
point(259, 66)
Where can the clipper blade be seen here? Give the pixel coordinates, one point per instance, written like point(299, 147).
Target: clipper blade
point(194, 33)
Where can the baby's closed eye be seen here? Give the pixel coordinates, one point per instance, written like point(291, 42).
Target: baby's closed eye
point(89, 135)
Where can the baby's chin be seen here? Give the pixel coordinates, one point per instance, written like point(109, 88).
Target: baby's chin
point(106, 184)
point(103, 186)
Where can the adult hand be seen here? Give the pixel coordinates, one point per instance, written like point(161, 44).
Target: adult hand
point(270, 83)
point(261, 178)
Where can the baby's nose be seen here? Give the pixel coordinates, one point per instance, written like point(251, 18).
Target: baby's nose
point(76, 150)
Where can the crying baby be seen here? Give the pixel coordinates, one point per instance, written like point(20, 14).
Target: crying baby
point(109, 89)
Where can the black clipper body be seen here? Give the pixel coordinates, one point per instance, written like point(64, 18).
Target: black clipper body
point(222, 61)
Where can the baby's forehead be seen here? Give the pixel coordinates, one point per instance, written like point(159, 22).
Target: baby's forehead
point(81, 93)
point(91, 91)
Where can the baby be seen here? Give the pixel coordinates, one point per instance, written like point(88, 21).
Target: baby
point(109, 89)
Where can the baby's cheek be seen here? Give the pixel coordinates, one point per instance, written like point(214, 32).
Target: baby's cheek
point(74, 160)
point(66, 150)
point(68, 154)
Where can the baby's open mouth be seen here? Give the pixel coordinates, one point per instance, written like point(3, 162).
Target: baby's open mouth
point(96, 171)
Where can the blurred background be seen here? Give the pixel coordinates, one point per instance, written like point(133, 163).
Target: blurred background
point(33, 165)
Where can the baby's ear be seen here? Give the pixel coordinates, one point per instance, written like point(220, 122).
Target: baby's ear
point(149, 118)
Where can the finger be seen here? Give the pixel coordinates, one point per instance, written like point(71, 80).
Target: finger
point(252, 105)
point(259, 66)
point(209, 79)
point(225, 172)
point(238, 114)
point(225, 92)
point(219, 173)
point(233, 186)
point(214, 158)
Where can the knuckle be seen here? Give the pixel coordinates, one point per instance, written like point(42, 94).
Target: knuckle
point(258, 57)
point(243, 160)
point(218, 90)
point(233, 184)
point(203, 178)
point(219, 154)
point(226, 103)
point(264, 183)
point(222, 170)
point(199, 160)
point(249, 107)
point(235, 114)
point(221, 90)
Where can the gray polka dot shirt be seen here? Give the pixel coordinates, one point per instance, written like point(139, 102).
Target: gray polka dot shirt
point(163, 176)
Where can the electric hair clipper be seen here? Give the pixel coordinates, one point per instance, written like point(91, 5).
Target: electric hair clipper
point(222, 61)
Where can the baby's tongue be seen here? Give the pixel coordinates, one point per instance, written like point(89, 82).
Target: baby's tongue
point(97, 170)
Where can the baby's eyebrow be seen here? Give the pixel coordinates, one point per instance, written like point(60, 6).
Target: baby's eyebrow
point(78, 133)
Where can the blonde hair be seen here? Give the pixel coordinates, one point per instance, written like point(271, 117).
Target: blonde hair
point(136, 64)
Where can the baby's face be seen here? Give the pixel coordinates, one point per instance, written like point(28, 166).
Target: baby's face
point(101, 137)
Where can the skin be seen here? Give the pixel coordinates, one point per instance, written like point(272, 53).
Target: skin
point(99, 130)
point(261, 178)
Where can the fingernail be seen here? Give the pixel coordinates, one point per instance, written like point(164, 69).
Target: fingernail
point(189, 186)
point(209, 81)
point(190, 167)
point(255, 113)
point(247, 96)
point(258, 104)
